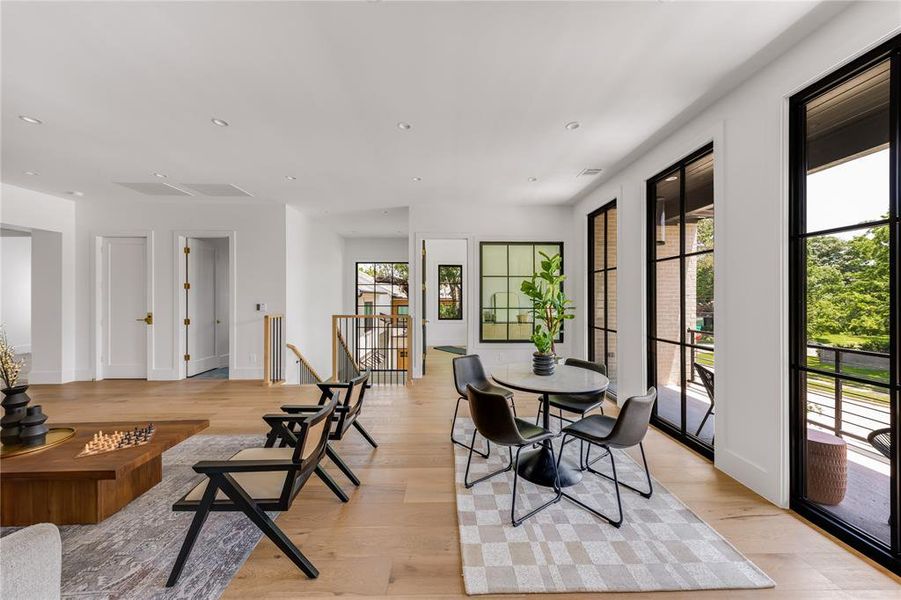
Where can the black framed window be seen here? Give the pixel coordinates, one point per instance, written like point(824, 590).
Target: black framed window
point(844, 306)
point(506, 313)
point(602, 289)
point(450, 292)
point(680, 298)
point(382, 288)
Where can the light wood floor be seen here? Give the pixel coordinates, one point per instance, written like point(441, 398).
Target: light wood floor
point(398, 534)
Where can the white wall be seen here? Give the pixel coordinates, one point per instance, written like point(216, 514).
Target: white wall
point(51, 221)
point(15, 291)
point(493, 223)
point(749, 131)
point(259, 236)
point(315, 286)
point(370, 250)
point(444, 252)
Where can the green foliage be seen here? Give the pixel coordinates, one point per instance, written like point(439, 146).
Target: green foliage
point(549, 303)
point(848, 289)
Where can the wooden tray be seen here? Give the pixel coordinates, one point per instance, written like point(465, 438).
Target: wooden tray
point(55, 437)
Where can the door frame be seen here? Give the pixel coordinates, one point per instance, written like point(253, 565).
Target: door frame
point(416, 279)
point(97, 239)
point(179, 238)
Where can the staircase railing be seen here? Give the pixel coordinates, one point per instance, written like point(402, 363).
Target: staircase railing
point(377, 343)
point(306, 374)
point(273, 353)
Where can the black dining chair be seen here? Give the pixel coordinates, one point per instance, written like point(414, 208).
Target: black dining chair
point(468, 370)
point(625, 431)
point(579, 404)
point(495, 421)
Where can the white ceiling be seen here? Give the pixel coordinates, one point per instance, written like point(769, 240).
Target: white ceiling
point(315, 91)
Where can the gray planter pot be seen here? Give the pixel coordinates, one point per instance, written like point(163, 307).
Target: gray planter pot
point(543, 364)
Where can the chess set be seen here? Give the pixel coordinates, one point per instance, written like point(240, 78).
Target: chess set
point(118, 440)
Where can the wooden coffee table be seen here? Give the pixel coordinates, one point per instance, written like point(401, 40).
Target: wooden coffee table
point(53, 486)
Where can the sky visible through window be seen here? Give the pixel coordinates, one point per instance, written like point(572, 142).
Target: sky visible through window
point(853, 192)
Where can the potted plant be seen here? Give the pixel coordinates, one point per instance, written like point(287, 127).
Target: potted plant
point(551, 307)
point(14, 398)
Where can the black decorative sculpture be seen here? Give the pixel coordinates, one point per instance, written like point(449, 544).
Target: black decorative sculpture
point(14, 402)
point(32, 431)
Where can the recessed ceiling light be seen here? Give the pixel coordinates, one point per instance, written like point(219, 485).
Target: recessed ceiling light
point(290, 177)
point(75, 193)
point(672, 178)
point(573, 125)
point(404, 126)
point(31, 173)
point(30, 120)
point(533, 179)
point(219, 122)
point(384, 212)
point(160, 175)
point(417, 179)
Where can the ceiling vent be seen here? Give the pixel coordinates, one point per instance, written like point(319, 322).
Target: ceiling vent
point(217, 189)
point(153, 188)
point(590, 172)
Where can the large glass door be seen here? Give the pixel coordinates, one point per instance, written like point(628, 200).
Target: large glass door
point(844, 303)
point(680, 299)
point(602, 289)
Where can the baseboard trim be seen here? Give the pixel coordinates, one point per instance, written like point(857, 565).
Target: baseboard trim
point(245, 373)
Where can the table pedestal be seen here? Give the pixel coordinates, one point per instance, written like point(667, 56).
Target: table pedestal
point(537, 466)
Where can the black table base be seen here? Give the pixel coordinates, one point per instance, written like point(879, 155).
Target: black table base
point(537, 466)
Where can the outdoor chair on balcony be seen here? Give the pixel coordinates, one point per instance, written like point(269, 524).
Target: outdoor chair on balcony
point(350, 403)
point(259, 480)
point(625, 431)
point(881, 439)
point(706, 375)
point(496, 422)
point(468, 370)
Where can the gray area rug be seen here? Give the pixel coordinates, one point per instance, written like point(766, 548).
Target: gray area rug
point(130, 554)
point(661, 546)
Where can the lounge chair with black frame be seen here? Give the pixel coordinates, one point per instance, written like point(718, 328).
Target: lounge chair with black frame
point(350, 403)
point(468, 370)
point(707, 379)
point(495, 421)
point(625, 431)
point(259, 480)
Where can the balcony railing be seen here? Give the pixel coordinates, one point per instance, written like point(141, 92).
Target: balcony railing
point(843, 392)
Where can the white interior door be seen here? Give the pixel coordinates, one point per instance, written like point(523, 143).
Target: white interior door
point(125, 306)
point(201, 307)
point(222, 300)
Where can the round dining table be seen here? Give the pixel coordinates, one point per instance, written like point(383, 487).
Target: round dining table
point(537, 466)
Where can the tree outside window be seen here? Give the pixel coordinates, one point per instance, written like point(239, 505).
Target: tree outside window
point(450, 292)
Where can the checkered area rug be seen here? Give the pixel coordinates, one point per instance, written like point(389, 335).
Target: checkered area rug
point(661, 546)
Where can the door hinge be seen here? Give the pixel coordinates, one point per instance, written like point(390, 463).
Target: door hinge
point(187, 357)
point(187, 321)
point(423, 251)
point(423, 287)
point(187, 250)
point(187, 286)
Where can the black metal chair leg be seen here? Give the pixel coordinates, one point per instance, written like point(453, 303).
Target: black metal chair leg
point(615, 522)
point(203, 511)
point(704, 420)
point(266, 525)
point(342, 466)
point(331, 484)
point(365, 434)
point(647, 473)
point(466, 481)
point(459, 443)
point(517, 522)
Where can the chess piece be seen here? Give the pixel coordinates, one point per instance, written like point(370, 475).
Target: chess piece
point(33, 431)
point(14, 402)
